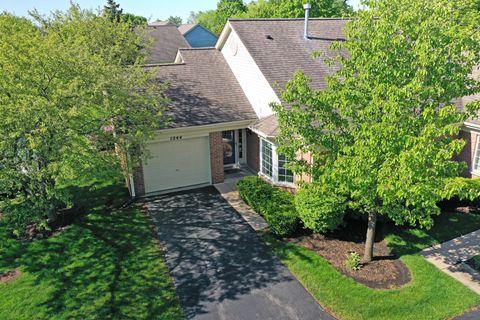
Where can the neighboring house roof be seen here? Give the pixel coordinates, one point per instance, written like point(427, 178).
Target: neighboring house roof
point(279, 49)
point(186, 28)
point(166, 42)
point(197, 35)
point(159, 23)
point(203, 90)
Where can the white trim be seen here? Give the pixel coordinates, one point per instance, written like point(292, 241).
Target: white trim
point(471, 127)
point(476, 171)
point(227, 29)
point(274, 178)
point(213, 127)
point(198, 131)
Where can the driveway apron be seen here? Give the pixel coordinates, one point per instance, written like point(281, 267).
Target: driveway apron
point(220, 267)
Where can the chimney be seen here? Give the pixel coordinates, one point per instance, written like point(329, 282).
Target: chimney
point(307, 8)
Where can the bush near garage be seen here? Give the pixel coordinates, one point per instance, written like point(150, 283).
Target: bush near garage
point(276, 206)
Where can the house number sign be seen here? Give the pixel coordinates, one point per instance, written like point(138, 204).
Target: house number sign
point(175, 138)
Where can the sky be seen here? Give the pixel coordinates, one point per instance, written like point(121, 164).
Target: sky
point(152, 10)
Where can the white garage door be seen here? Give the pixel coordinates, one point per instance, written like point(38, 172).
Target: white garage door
point(177, 164)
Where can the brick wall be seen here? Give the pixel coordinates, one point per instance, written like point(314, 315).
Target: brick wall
point(216, 157)
point(253, 151)
point(468, 152)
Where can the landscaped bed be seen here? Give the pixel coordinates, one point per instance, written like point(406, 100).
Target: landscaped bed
point(107, 265)
point(431, 295)
point(385, 272)
point(397, 284)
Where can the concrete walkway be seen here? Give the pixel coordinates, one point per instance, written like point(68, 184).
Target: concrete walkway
point(228, 190)
point(450, 257)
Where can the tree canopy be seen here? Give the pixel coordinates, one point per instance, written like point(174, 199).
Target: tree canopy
point(384, 132)
point(175, 20)
point(72, 87)
point(112, 11)
point(215, 20)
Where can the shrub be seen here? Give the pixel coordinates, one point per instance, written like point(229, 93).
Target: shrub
point(464, 190)
point(276, 206)
point(319, 208)
point(353, 261)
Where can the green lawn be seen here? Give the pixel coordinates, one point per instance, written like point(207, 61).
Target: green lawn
point(447, 226)
point(107, 266)
point(430, 295)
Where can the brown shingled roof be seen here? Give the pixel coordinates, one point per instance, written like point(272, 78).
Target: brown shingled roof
point(185, 28)
point(167, 40)
point(279, 49)
point(268, 127)
point(204, 90)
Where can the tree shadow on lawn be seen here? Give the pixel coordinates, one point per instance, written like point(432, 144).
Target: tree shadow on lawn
point(447, 226)
point(104, 266)
point(404, 240)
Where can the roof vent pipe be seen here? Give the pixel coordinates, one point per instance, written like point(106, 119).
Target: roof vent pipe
point(307, 8)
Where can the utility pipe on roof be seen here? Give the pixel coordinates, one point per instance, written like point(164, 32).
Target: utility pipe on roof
point(307, 8)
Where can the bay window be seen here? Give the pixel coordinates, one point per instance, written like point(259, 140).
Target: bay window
point(272, 165)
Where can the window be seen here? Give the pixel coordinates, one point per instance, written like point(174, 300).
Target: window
point(272, 165)
point(284, 175)
point(476, 159)
point(267, 157)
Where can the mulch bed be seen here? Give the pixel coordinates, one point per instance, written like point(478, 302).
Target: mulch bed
point(9, 276)
point(384, 272)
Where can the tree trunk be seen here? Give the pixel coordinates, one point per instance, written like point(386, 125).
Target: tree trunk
point(372, 223)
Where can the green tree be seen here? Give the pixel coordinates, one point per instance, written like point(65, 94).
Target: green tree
point(193, 17)
point(175, 20)
point(134, 20)
point(215, 20)
point(294, 9)
point(68, 93)
point(384, 132)
point(112, 11)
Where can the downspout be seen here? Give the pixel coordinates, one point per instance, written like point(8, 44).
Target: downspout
point(132, 185)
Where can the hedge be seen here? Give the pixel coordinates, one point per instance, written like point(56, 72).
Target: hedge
point(276, 206)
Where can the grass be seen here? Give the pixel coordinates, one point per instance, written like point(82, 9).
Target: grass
point(448, 225)
point(106, 266)
point(431, 295)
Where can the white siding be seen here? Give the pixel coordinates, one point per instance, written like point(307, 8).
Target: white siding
point(251, 79)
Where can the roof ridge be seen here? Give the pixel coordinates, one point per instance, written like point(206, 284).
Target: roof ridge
point(168, 64)
point(288, 19)
point(198, 49)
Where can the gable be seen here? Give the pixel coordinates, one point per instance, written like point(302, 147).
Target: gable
point(199, 37)
point(251, 79)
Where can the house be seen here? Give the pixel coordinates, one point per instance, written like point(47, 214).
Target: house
point(166, 42)
point(220, 105)
point(198, 36)
point(471, 134)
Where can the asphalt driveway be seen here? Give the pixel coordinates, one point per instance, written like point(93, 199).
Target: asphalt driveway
point(221, 269)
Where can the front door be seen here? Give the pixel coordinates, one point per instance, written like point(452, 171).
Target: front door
point(229, 152)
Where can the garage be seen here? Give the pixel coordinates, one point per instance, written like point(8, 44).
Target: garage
point(177, 164)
